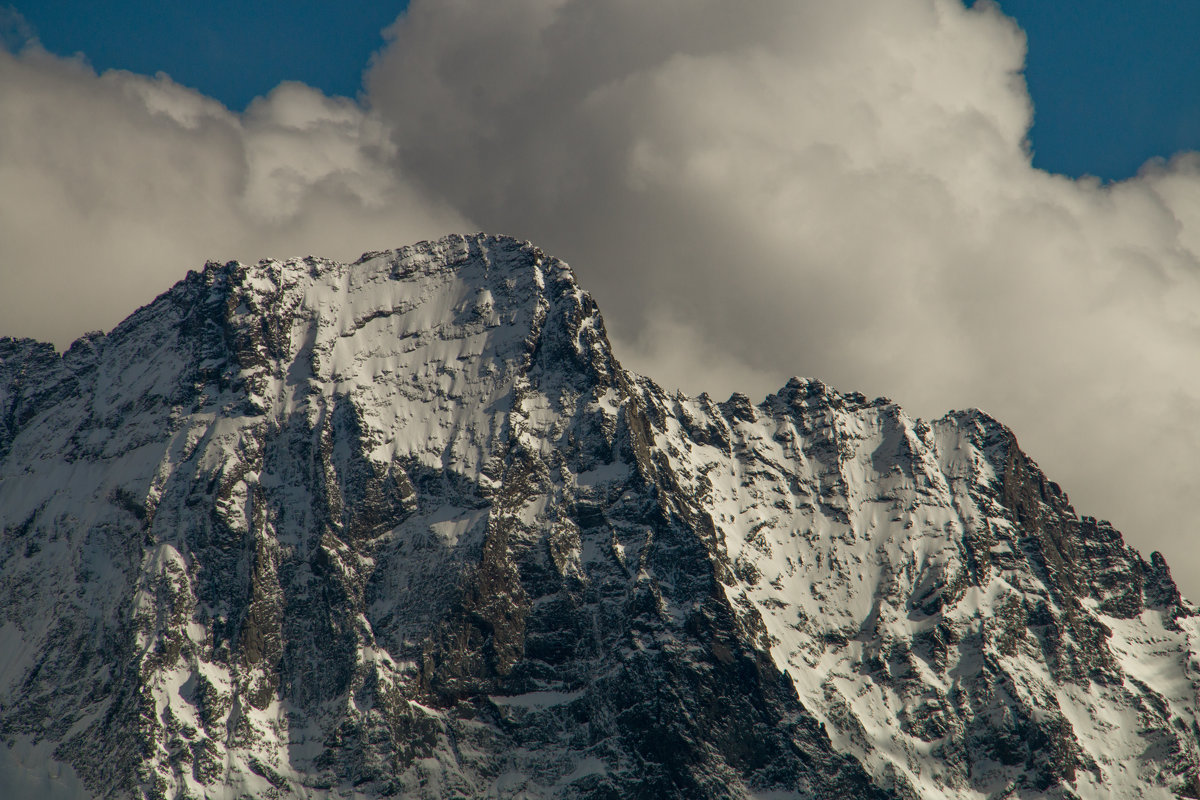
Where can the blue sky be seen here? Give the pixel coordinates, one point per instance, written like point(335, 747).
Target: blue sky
point(228, 49)
point(1113, 83)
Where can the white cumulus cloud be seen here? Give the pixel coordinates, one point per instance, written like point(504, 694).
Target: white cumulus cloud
point(115, 185)
point(841, 190)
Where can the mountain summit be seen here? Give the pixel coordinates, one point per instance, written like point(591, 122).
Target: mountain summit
point(405, 527)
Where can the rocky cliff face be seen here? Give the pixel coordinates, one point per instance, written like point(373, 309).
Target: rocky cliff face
point(404, 527)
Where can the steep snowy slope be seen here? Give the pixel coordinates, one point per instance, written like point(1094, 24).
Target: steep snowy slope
point(404, 527)
point(937, 602)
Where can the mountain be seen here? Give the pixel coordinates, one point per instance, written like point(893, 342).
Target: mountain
point(405, 528)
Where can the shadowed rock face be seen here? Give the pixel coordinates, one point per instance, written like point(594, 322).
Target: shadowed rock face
point(404, 527)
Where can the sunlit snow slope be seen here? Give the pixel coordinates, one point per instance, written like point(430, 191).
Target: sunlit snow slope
point(404, 527)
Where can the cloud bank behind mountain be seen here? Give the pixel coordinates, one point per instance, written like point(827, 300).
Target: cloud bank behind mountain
point(835, 190)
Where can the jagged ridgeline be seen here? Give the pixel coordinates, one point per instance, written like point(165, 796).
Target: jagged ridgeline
point(405, 528)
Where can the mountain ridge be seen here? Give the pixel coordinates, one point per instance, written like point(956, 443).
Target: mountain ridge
point(406, 527)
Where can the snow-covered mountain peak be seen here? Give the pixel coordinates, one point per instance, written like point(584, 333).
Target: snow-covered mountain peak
point(404, 527)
